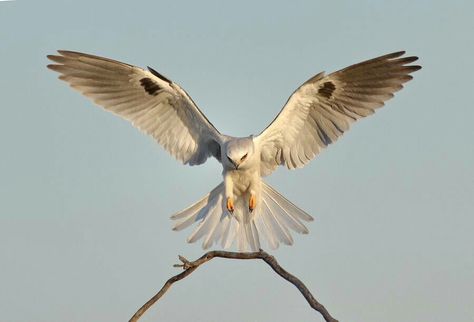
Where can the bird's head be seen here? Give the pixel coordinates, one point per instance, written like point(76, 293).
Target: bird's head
point(239, 153)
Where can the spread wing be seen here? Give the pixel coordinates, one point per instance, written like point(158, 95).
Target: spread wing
point(323, 108)
point(153, 103)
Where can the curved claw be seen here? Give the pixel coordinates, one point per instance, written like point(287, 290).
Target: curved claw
point(252, 202)
point(230, 205)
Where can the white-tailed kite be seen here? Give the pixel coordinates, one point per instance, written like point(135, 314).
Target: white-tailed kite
point(242, 209)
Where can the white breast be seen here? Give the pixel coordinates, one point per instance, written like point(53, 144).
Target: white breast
point(242, 180)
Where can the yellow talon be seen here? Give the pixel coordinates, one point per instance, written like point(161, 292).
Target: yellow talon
point(230, 204)
point(252, 203)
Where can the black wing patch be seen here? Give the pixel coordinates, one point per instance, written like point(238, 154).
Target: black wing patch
point(150, 86)
point(327, 89)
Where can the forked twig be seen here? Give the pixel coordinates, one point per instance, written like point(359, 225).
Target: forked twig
point(190, 267)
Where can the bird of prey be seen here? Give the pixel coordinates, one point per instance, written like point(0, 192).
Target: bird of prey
point(243, 210)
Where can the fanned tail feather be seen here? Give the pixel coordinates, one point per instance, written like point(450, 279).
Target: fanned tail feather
point(273, 220)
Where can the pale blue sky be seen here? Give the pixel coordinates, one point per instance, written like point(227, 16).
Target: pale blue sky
point(85, 201)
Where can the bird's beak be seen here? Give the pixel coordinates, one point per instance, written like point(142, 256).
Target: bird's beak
point(236, 165)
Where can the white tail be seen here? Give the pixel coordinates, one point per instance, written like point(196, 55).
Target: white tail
point(272, 220)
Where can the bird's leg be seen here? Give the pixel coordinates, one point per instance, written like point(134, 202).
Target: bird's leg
point(229, 193)
point(252, 202)
point(230, 204)
point(254, 190)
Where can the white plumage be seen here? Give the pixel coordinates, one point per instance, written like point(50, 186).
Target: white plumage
point(242, 210)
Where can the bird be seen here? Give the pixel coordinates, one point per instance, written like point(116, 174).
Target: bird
point(242, 211)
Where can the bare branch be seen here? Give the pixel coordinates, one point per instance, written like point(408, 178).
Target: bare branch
point(190, 267)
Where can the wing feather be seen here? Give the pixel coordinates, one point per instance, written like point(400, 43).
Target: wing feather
point(324, 107)
point(147, 99)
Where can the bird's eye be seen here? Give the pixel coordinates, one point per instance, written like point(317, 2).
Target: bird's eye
point(243, 158)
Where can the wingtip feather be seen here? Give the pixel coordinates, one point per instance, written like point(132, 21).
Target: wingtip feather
point(69, 53)
point(55, 58)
